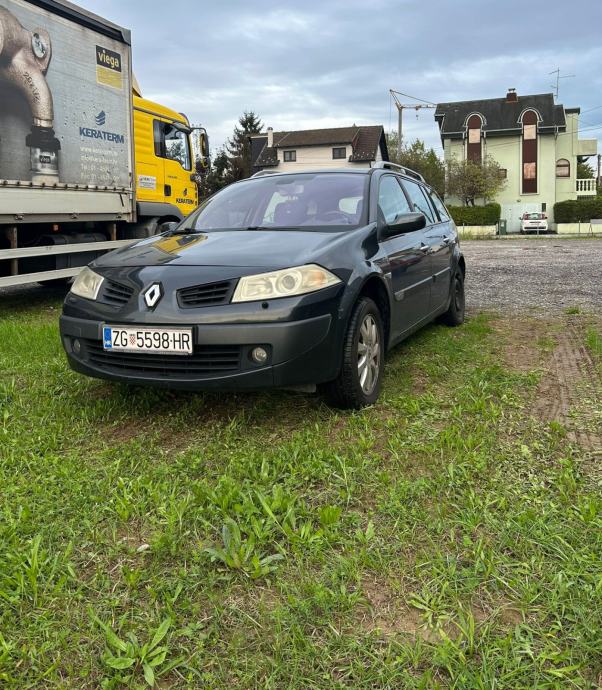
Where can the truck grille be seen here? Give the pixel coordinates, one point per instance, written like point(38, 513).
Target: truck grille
point(116, 293)
point(206, 361)
point(206, 295)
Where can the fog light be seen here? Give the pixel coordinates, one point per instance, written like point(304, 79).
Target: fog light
point(77, 346)
point(259, 355)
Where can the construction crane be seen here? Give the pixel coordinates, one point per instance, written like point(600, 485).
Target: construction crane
point(401, 107)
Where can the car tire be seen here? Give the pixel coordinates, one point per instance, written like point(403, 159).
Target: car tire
point(358, 384)
point(454, 316)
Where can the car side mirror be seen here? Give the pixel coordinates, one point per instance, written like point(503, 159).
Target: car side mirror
point(405, 222)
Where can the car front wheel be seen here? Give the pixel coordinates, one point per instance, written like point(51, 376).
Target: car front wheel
point(360, 379)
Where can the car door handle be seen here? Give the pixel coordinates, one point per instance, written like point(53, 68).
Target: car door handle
point(424, 248)
point(446, 240)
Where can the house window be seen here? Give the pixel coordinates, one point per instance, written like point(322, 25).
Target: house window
point(290, 156)
point(530, 171)
point(563, 168)
point(503, 173)
point(530, 132)
point(339, 152)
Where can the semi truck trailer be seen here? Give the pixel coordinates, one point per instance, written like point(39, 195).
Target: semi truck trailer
point(86, 163)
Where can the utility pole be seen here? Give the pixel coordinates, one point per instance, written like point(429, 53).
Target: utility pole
point(400, 108)
point(558, 78)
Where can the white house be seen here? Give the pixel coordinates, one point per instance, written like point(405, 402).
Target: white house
point(534, 140)
point(339, 147)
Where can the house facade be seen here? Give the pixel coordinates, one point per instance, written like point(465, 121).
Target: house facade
point(534, 140)
point(339, 147)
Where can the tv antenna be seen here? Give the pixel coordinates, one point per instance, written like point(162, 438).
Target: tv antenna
point(404, 106)
point(558, 78)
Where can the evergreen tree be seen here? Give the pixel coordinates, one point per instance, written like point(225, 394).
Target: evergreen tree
point(215, 177)
point(239, 147)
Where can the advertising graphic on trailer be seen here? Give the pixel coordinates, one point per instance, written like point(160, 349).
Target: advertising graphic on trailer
point(64, 101)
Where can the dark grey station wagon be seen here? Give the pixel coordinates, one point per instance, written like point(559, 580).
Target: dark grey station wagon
point(284, 279)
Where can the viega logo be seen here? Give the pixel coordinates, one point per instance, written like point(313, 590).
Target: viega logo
point(108, 58)
point(100, 120)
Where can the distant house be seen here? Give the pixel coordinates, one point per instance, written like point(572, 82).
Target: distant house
point(534, 140)
point(339, 147)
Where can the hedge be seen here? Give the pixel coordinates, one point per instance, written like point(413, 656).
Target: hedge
point(476, 215)
point(579, 210)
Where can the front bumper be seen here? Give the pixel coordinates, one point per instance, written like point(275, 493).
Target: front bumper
point(300, 352)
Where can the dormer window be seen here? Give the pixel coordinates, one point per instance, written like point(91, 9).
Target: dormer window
point(529, 121)
point(474, 127)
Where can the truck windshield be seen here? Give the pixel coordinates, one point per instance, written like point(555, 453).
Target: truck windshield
point(310, 201)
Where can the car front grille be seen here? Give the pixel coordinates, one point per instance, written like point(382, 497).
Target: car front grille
point(116, 293)
point(205, 362)
point(206, 295)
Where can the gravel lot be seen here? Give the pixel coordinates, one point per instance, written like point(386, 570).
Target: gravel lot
point(538, 275)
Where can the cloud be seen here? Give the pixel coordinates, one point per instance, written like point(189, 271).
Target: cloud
point(332, 62)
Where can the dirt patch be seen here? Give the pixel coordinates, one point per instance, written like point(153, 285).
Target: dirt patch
point(388, 614)
point(520, 340)
point(569, 391)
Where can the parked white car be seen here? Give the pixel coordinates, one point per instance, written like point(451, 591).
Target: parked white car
point(534, 222)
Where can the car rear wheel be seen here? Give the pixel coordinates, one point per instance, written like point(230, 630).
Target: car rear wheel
point(360, 379)
point(454, 316)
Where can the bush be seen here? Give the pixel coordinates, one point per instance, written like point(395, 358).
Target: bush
point(476, 215)
point(578, 210)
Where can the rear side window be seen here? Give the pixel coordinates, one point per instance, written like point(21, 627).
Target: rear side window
point(419, 200)
point(438, 204)
point(392, 201)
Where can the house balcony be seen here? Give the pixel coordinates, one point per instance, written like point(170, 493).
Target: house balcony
point(586, 187)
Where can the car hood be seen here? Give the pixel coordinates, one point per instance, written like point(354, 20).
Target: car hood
point(250, 248)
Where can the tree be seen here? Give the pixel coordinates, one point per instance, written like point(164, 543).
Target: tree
point(417, 157)
point(239, 147)
point(469, 180)
point(585, 171)
point(215, 177)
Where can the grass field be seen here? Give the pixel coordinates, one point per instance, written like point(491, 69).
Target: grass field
point(445, 538)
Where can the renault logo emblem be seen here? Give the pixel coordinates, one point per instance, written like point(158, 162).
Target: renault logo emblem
point(152, 295)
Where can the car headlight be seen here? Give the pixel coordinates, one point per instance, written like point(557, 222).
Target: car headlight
point(285, 283)
point(87, 284)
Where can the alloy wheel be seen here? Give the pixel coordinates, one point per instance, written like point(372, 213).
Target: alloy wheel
point(368, 354)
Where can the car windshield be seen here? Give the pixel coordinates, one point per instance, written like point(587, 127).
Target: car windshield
point(309, 201)
point(533, 216)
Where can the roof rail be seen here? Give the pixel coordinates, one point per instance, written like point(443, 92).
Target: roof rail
point(264, 172)
point(401, 168)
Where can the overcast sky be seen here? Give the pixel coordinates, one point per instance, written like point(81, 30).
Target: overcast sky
point(328, 63)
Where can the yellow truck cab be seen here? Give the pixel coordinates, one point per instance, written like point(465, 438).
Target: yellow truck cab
point(164, 165)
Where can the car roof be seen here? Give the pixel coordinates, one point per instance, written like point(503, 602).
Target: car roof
point(349, 171)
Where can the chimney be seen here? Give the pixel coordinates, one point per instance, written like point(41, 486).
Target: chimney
point(511, 96)
point(270, 137)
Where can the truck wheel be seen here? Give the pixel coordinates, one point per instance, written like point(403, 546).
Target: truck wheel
point(141, 231)
point(56, 283)
point(360, 379)
point(454, 316)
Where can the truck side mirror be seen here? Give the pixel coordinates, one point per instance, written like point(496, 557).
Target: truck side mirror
point(202, 147)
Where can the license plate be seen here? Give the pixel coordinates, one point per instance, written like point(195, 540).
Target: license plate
point(172, 341)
